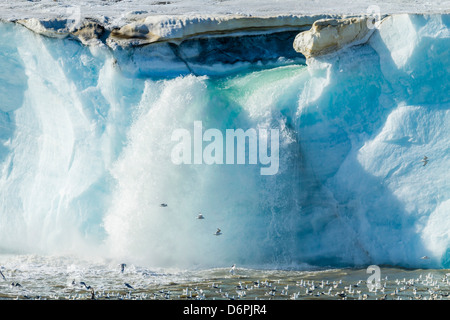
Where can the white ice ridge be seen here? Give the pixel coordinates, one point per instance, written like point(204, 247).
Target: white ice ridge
point(143, 22)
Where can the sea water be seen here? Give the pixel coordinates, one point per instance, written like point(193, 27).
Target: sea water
point(38, 277)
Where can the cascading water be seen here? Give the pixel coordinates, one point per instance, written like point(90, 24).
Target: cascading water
point(86, 154)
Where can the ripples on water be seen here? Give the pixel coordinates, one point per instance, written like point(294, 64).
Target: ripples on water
point(55, 278)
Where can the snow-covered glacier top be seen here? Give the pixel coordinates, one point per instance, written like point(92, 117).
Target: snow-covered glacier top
point(142, 22)
point(119, 12)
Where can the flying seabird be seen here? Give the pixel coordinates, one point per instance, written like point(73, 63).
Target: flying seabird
point(85, 285)
point(425, 258)
point(425, 160)
point(128, 286)
point(200, 216)
point(122, 267)
point(163, 205)
point(1, 273)
point(218, 232)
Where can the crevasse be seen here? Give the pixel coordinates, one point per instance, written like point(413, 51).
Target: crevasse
point(86, 139)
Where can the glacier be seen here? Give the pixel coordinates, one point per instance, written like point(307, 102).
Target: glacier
point(86, 141)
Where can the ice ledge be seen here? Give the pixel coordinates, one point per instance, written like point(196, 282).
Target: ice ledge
point(177, 28)
point(328, 35)
point(132, 22)
point(166, 28)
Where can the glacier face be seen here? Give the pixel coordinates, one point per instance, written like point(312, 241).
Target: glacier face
point(86, 141)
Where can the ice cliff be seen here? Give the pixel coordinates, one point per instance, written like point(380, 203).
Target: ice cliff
point(85, 140)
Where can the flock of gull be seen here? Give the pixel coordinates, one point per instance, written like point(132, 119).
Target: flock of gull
point(233, 284)
point(421, 288)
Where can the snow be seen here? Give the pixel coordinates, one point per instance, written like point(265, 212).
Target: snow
point(118, 13)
